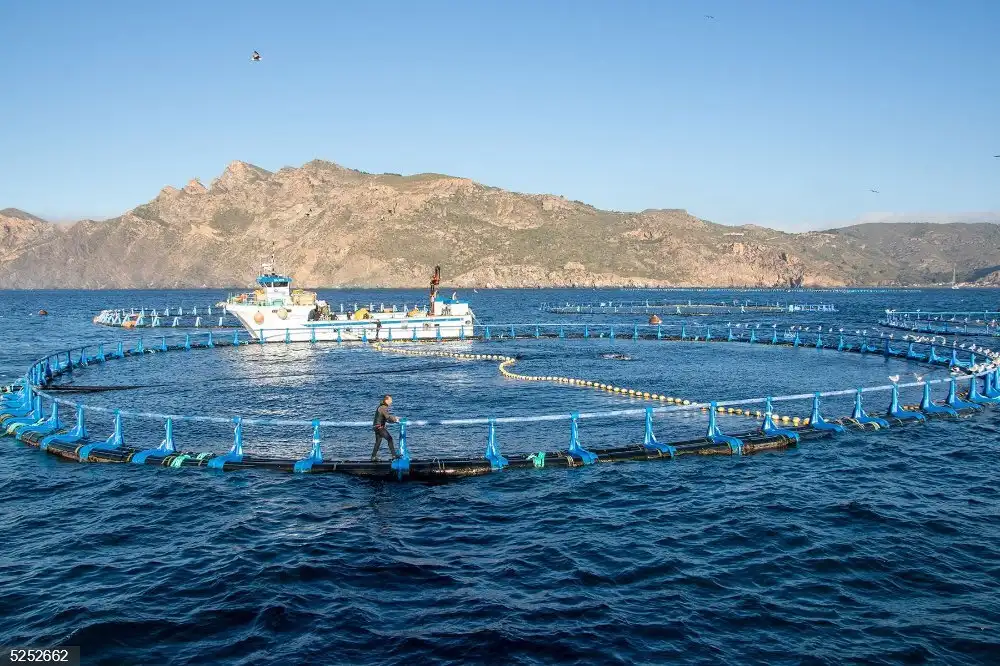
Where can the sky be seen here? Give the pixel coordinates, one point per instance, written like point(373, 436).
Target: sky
point(776, 113)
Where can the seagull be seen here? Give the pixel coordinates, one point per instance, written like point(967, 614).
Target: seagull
point(919, 378)
point(874, 191)
point(255, 57)
point(893, 378)
point(712, 18)
point(997, 156)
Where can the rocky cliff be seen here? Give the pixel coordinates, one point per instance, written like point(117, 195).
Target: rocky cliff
point(333, 226)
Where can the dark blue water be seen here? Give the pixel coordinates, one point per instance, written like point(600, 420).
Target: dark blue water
point(877, 548)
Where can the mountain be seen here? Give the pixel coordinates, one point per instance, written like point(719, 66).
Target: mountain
point(333, 226)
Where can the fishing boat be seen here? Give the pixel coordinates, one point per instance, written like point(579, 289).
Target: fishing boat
point(275, 312)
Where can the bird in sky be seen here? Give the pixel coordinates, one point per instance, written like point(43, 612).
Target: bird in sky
point(255, 57)
point(709, 17)
point(874, 191)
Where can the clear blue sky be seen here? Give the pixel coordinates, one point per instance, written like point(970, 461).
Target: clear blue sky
point(777, 113)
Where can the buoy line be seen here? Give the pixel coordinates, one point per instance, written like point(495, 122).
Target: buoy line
point(506, 362)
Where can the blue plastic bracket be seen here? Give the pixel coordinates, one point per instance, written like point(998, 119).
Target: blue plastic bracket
point(235, 454)
point(816, 420)
point(819, 341)
point(402, 463)
point(165, 448)
point(927, 405)
point(649, 439)
point(497, 461)
point(187, 341)
point(315, 455)
point(120, 352)
point(115, 441)
point(716, 436)
point(78, 433)
point(46, 427)
point(574, 441)
point(955, 402)
point(771, 430)
point(977, 397)
point(861, 417)
point(635, 331)
point(896, 410)
point(211, 341)
point(992, 380)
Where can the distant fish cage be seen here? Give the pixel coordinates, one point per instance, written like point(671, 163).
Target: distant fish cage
point(650, 307)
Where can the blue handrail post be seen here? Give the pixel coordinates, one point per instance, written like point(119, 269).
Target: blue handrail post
point(684, 334)
point(115, 441)
point(513, 335)
point(659, 332)
point(288, 336)
point(649, 439)
point(260, 336)
point(315, 456)
point(497, 461)
point(586, 331)
point(187, 341)
point(402, 463)
point(635, 331)
point(312, 334)
point(120, 352)
point(574, 441)
point(236, 338)
point(897, 412)
point(770, 429)
point(715, 435)
point(211, 342)
point(955, 402)
point(817, 422)
point(536, 331)
point(927, 404)
point(862, 418)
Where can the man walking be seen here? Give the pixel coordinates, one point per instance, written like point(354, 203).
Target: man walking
point(382, 416)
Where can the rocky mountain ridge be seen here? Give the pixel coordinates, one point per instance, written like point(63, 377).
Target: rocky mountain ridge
point(332, 226)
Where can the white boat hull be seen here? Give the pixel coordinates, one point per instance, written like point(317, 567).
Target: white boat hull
point(292, 323)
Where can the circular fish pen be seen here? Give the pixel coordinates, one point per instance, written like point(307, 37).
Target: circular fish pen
point(730, 410)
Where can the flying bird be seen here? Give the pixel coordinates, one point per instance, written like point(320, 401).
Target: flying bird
point(997, 156)
point(874, 191)
point(712, 18)
point(255, 57)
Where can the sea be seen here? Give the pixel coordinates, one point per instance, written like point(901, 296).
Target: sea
point(866, 548)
